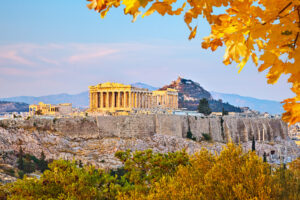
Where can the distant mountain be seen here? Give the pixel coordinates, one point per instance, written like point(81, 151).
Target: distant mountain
point(143, 85)
point(6, 106)
point(272, 107)
point(190, 93)
point(78, 100)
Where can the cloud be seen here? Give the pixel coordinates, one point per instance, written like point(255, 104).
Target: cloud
point(21, 72)
point(37, 55)
point(91, 55)
point(13, 57)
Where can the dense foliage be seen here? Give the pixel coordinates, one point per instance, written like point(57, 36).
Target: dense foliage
point(28, 163)
point(146, 175)
point(264, 31)
point(218, 106)
point(203, 107)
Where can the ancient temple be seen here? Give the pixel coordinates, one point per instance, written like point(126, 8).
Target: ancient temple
point(49, 109)
point(115, 97)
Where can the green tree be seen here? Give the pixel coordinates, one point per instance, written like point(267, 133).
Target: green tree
point(190, 135)
point(253, 143)
point(20, 161)
point(29, 165)
point(64, 180)
point(42, 163)
point(80, 164)
point(146, 167)
point(265, 157)
point(206, 136)
point(203, 107)
point(224, 112)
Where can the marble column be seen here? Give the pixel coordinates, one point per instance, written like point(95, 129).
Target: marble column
point(124, 99)
point(146, 100)
point(135, 100)
point(101, 99)
point(94, 99)
point(107, 100)
point(91, 100)
point(130, 99)
point(113, 99)
point(118, 99)
point(143, 100)
point(139, 100)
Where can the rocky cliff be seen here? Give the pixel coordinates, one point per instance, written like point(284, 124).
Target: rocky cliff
point(190, 92)
point(95, 140)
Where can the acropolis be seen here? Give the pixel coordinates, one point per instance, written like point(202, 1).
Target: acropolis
point(119, 98)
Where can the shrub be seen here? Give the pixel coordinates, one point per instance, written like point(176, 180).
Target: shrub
point(54, 120)
point(10, 172)
point(21, 174)
point(190, 135)
point(206, 136)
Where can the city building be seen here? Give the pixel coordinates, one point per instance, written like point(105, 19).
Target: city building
point(117, 98)
point(49, 109)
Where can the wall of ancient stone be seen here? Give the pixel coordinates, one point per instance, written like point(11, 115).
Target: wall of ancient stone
point(137, 126)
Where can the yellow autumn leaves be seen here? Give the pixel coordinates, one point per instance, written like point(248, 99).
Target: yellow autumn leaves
point(146, 175)
point(265, 31)
point(231, 175)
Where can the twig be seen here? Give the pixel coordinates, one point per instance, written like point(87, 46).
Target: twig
point(277, 16)
point(295, 42)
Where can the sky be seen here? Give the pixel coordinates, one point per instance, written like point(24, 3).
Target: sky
point(60, 46)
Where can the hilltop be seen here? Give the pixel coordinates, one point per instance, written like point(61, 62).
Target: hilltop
point(190, 93)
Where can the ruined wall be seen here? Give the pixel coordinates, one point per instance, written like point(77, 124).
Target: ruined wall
point(139, 126)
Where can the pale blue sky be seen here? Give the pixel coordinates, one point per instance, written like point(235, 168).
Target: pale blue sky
point(56, 46)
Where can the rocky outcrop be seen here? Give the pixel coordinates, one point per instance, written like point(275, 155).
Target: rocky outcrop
point(94, 140)
point(190, 92)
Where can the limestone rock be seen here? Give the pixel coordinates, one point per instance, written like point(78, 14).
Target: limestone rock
point(95, 140)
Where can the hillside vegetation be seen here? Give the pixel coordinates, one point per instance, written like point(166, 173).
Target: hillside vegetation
point(6, 106)
point(232, 174)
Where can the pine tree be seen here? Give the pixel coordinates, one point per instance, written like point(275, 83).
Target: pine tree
point(43, 164)
point(80, 164)
point(20, 160)
point(224, 112)
point(265, 157)
point(204, 107)
point(253, 144)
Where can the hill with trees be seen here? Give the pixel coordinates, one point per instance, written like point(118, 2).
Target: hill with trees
point(190, 93)
point(6, 106)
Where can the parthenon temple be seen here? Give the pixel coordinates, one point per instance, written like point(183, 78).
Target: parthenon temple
point(116, 97)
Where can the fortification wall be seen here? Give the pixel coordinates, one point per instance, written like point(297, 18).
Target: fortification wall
point(139, 126)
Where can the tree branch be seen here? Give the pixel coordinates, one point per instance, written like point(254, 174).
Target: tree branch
point(277, 16)
point(297, 36)
point(284, 8)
